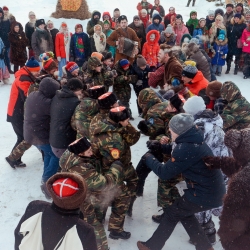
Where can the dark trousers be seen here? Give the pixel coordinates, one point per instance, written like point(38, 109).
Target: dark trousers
point(16, 67)
point(183, 211)
point(18, 129)
point(7, 58)
point(229, 60)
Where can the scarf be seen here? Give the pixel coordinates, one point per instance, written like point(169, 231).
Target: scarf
point(194, 22)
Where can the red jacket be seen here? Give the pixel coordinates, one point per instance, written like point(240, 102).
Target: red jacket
point(198, 83)
point(60, 46)
point(150, 49)
point(18, 94)
point(147, 8)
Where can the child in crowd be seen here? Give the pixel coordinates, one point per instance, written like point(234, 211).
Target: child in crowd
point(220, 50)
point(192, 23)
point(108, 31)
point(99, 39)
point(168, 36)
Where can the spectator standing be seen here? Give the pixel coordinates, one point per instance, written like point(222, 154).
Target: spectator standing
point(180, 29)
point(192, 23)
point(156, 24)
point(53, 31)
point(144, 4)
point(229, 14)
point(245, 39)
point(29, 29)
point(170, 17)
point(158, 7)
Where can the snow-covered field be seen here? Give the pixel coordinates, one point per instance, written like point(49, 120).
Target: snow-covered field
point(19, 187)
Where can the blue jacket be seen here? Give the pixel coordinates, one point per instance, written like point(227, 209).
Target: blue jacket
point(220, 49)
point(155, 26)
point(205, 187)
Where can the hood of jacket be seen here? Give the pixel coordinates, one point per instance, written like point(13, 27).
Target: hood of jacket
point(95, 12)
point(221, 43)
point(15, 24)
point(65, 92)
point(230, 92)
point(48, 87)
point(242, 20)
point(108, 14)
point(156, 16)
point(157, 37)
point(193, 135)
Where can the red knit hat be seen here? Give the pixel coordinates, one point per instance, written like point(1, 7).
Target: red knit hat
point(78, 26)
point(49, 65)
point(71, 66)
point(5, 8)
point(65, 187)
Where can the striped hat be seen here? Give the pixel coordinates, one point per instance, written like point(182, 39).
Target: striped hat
point(33, 65)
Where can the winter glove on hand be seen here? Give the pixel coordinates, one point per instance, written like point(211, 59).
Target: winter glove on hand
point(143, 126)
point(148, 154)
point(154, 145)
point(139, 83)
point(175, 82)
point(212, 162)
point(59, 59)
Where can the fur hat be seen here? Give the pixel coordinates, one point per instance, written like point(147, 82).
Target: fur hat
point(106, 55)
point(169, 29)
point(136, 17)
point(71, 66)
point(98, 55)
point(141, 61)
point(124, 63)
point(74, 84)
point(33, 65)
point(167, 94)
point(122, 17)
point(67, 190)
point(79, 146)
point(107, 100)
point(119, 114)
point(181, 123)
point(213, 89)
point(177, 101)
point(96, 91)
point(39, 22)
point(237, 15)
point(194, 105)
point(189, 71)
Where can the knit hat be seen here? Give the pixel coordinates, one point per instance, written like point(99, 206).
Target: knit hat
point(247, 12)
point(5, 8)
point(107, 100)
point(124, 63)
point(237, 15)
point(94, 62)
point(167, 94)
point(74, 84)
point(239, 4)
point(141, 61)
point(144, 11)
point(46, 56)
point(169, 29)
point(177, 101)
point(106, 22)
point(211, 13)
point(107, 55)
point(78, 26)
point(39, 22)
point(221, 37)
point(79, 146)
point(67, 190)
point(119, 114)
point(230, 5)
point(195, 40)
point(122, 17)
point(194, 105)
point(181, 123)
point(71, 66)
point(98, 55)
point(179, 17)
point(96, 91)
point(49, 65)
point(202, 19)
point(136, 17)
point(213, 89)
point(189, 71)
point(33, 65)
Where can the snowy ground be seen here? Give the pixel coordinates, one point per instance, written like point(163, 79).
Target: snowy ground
point(19, 187)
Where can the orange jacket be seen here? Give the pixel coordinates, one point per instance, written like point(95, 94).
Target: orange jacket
point(150, 49)
point(60, 46)
point(198, 83)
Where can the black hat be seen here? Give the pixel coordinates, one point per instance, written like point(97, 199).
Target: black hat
point(74, 84)
point(136, 17)
point(107, 100)
point(96, 91)
point(119, 114)
point(79, 146)
point(177, 101)
point(178, 16)
point(39, 22)
point(239, 4)
point(230, 5)
point(122, 17)
point(107, 55)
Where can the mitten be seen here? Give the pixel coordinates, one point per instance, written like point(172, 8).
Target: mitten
point(59, 59)
point(175, 82)
point(154, 145)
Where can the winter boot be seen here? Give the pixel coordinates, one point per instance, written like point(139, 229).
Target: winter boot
point(189, 1)
point(15, 164)
point(130, 208)
point(140, 188)
point(193, 3)
point(227, 71)
point(236, 69)
point(157, 218)
point(122, 235)
point(141, 246)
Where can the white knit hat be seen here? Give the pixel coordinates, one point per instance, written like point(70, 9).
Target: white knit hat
point(169, 29)
point(194, 105)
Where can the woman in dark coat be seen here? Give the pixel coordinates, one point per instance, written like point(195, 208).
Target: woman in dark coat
point(18, 43)
point(234, 32)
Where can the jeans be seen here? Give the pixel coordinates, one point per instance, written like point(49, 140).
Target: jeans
point(60, 65)
point(217, 68)
point(58, 151)
point(51, 162)
point(182, 210)
point(7, 58)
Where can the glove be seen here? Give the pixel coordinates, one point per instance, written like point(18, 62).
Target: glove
point(212, 162)
point(175, 82)
point(142, 126)
point(59, 59)
point(139, 83)
point(144, 157)
point(154, 146)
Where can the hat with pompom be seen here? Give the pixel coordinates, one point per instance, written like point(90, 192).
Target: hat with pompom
point(194, 105)
point(33, 65)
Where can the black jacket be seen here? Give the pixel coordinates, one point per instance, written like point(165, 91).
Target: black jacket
point(29, 29)
point(205, 187)
point(37, 113)
point(55, 223)
point(4, 31)
point(62, 108)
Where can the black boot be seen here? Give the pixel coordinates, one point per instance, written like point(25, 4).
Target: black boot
point(122, 235)
point(193, 3)
point(189, 1)
point(236, 69)
point(130, 208)
point(228, 69)
point(140, 188)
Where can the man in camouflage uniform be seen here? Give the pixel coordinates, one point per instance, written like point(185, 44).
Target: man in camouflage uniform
point(86, 111)
point(78, 158)
point(236, 114)
point(157, 115)
point(111, 141)
point(121, 87)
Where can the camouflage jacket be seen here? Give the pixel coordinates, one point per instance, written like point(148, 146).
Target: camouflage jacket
point(108, 76)
point(121, 87)
point(83, 115)
point(89, 168)
point(236, 114)
point(112, 142)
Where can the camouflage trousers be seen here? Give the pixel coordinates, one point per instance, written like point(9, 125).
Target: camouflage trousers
point(19, 150)
point(92, 215)
point(167, 192)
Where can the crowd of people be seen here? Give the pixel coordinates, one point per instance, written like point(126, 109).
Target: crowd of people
point(71, 99)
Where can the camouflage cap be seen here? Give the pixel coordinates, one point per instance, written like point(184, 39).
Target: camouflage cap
point(94, 62)
point(148, 98)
